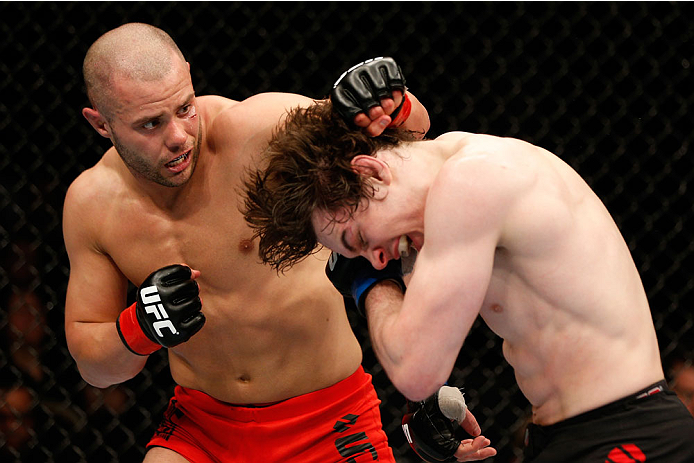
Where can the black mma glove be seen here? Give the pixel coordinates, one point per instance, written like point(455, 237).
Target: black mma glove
point(430, 432)
point(166, 313)
point(356, 277)
point(361, 88)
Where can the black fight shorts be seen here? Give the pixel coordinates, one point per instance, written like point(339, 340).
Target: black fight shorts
point(652, 428)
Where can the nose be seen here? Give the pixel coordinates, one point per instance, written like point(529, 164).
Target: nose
point(378, 258)
point(176, 135)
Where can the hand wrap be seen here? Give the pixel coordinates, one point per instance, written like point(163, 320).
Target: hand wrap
point(402, 112)
point(429, 425)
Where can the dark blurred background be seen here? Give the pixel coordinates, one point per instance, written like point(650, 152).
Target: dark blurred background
point(606, 86)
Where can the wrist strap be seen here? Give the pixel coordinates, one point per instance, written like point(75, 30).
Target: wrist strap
point(402, 112)
point(132, 335)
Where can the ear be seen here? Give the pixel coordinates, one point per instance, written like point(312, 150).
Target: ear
point(97, 120)
point(374, 169)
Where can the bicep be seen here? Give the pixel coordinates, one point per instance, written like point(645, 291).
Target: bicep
point(446, 293)
point(271, 107)
point(453, 270)
point(251, 123)
point(96, 288)
point(96, 295)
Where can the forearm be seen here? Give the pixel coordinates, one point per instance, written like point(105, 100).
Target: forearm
point(383, 304)
point(101, 357)
point(392, 340)
point(403, 346)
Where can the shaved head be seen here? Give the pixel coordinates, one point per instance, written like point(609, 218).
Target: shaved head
point(133, 51)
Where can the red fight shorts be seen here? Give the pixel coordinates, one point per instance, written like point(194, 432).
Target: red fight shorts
point(341, 423)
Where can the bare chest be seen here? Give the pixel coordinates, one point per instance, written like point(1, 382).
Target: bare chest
point(528, 297)
point(210, 236)
point(508, 298)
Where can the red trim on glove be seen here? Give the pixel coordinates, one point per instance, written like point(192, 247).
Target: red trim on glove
point(404, 112)
point(132, 335)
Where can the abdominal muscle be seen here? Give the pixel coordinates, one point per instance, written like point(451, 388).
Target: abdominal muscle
point(567, 299)
point(565, 365)
point(269, 345)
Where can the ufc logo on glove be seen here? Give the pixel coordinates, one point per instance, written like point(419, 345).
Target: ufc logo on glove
point(150, 295)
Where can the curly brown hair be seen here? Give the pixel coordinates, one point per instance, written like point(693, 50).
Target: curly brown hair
point(306, 167)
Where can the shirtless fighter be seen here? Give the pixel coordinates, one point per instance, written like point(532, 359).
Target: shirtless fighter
point(165, 197)
point(502, 229)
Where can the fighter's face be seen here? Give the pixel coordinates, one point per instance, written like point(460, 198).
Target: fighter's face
point(155, 127)
point(380, 230)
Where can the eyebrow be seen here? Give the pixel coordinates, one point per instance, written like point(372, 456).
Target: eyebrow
point(145, 119)
point(188, 99)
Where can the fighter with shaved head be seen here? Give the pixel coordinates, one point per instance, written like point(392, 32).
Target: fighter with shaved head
point(266, 365)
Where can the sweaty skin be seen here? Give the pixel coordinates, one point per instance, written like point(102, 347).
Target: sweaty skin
point(508, 231)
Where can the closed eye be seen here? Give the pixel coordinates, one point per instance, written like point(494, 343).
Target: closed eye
point(345, 243)
point(362, 243)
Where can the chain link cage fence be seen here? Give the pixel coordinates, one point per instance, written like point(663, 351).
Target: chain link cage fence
point(606, 86)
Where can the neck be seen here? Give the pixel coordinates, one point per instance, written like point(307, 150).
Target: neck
point(413, 167)
point(418, 163)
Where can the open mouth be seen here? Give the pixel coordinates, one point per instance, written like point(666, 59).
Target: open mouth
point(404, 246)
point(179, 160)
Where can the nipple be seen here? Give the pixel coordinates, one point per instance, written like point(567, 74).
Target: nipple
point(246, 245)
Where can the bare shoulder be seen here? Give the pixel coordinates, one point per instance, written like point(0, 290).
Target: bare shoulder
point(213, 105)
point(274, 102)
point(263, 108)
point(482, 161)
point(487, 177)
point(91, 184)
point(92, 191)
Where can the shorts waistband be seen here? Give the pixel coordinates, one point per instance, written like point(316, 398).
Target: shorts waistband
point(317, 400)
point(611, 407)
